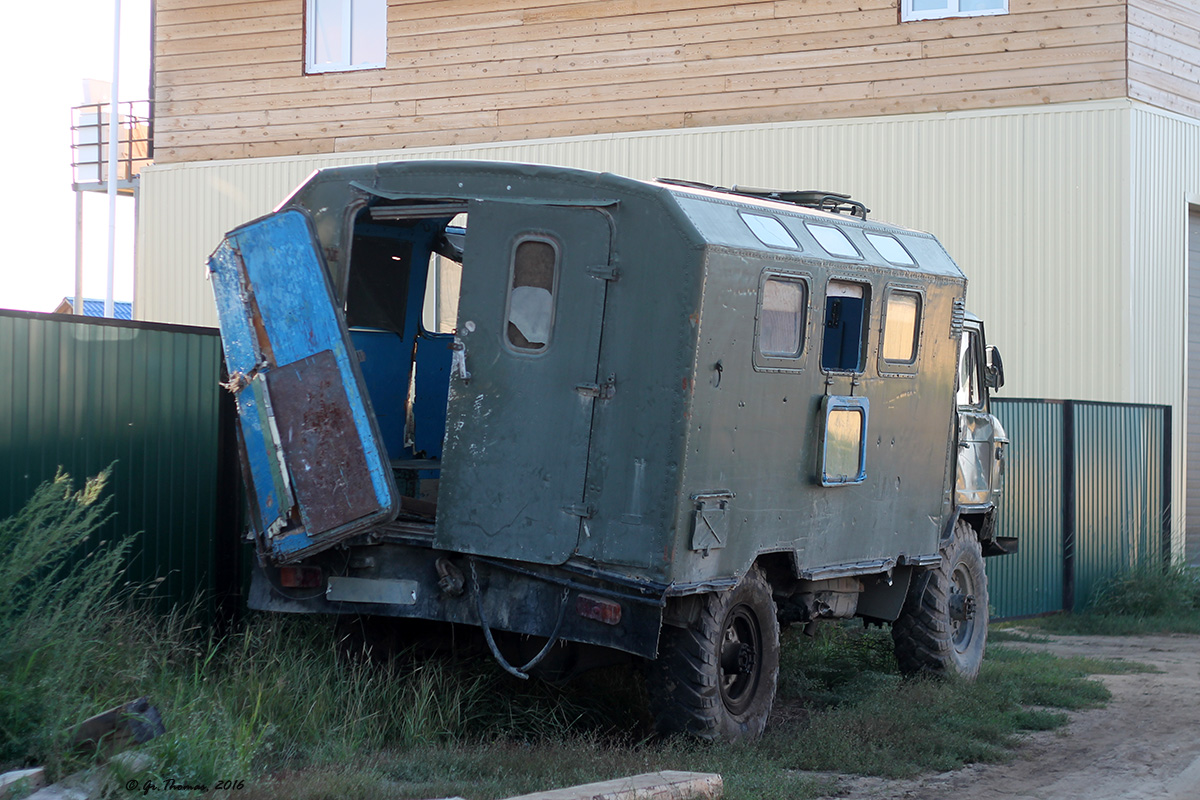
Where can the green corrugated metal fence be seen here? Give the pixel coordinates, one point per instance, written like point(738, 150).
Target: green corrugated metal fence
point(84, 393)
point(1030, 581)
point(1088, 483)
point(1088, 488)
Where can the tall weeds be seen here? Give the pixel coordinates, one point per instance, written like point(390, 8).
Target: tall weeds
point(1149, 590)
point(57, 586)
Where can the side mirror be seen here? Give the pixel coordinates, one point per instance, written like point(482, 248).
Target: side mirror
point(995, 368)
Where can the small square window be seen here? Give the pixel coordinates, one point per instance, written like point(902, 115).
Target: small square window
point(781, 327)
point(912, 10)
point(844, 440)
point(345, 35)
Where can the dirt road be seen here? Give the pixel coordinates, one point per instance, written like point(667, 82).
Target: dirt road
point(1144, 745)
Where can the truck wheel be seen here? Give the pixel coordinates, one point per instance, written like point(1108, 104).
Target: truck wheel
point(716, 678)
point(942, 628)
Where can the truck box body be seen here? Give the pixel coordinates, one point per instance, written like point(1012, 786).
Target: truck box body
point(649, 387)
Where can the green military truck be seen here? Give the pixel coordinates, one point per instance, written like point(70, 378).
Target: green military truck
point(592, 416)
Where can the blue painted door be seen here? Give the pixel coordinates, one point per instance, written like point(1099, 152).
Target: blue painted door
point(315, 468)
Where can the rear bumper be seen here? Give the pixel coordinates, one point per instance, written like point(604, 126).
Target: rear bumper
point(400, 580)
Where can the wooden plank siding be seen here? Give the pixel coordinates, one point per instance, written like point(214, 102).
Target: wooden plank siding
point(1164, 54)
point(230, 82)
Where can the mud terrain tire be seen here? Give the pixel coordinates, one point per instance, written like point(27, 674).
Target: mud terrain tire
point(942, 629)
point(716, 678)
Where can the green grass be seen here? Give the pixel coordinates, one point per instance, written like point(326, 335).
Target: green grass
point(273, 702)
point(1147, 599)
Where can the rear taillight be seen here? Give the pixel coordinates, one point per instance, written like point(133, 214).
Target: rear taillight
point(606, 611)
point(300, 577)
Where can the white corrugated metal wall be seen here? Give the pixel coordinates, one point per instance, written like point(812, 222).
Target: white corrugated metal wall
point(1068, 220)
point(1165, 178)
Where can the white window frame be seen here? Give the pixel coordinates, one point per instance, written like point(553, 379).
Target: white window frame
point(907, 14)
point(348, 63)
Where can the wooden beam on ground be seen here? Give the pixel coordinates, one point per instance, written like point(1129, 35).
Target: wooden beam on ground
point(666, 785)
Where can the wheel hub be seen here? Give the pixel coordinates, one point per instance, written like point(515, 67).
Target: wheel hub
point(962, 607)
point(740, 659)
point(745, 659)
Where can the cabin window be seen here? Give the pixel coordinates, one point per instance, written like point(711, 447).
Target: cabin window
point(769, 231)
point(833, 241)
point(892, 251)
point(911, 10)
point(844, 440)
point(781, 327)
point(846, 313)
point(901, 326)
point(343, 35)
point(531, 294)
point(443, 281)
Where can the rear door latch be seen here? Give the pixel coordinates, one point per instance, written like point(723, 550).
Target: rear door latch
point(599, 391)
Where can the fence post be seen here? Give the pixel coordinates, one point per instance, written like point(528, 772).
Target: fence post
point(1068, 508)
point(1168, 444)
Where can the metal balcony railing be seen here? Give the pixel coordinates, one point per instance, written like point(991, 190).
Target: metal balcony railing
point(89, 144)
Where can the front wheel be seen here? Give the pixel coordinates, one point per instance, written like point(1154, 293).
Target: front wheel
point(716, 678)
point(942, 628)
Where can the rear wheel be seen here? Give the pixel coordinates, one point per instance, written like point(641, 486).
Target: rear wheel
point(716, 678)
point(943, 627)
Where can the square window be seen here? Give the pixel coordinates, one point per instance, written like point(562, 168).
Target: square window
point(844, 440)
point(781, 326)
point(912, 10)
point(345, 35)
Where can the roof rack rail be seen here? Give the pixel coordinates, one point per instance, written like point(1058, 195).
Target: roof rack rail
point(834, 202)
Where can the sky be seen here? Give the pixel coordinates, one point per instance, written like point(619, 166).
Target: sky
point(51, 48)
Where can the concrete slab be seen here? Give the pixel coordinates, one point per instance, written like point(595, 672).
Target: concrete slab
point(666, 785)
point(21, 780)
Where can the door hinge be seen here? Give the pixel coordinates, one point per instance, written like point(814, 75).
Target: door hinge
point(599, 391)
point(605, 272)
point(584, 510)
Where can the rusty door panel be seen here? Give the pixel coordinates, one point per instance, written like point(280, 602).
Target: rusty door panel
point(309, 438)
point(312, 415)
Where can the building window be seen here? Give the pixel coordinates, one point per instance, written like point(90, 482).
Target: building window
point(911, 10)
point(345, 34)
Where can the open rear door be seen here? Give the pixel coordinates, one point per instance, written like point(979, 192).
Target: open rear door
point(314, 465)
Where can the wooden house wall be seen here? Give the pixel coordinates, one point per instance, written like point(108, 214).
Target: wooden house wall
point(1164, 54)
point(230, 80)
